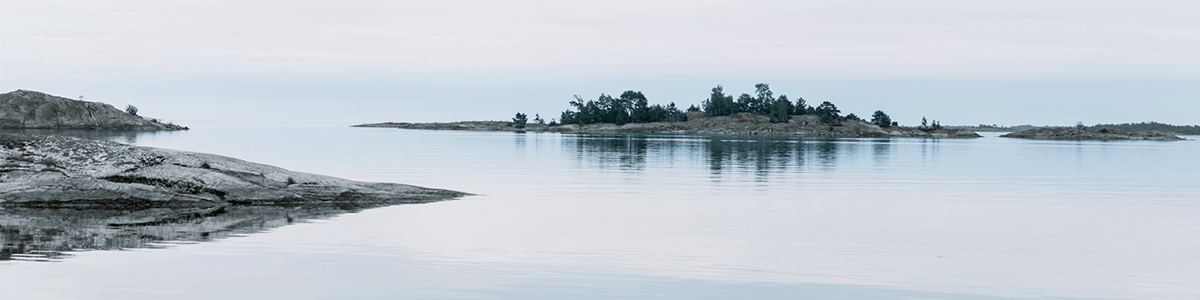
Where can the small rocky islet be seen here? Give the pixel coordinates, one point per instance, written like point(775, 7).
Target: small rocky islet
point(1072, 133)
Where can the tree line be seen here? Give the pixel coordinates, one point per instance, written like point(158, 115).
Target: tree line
point(630, 107)
point(633, 107)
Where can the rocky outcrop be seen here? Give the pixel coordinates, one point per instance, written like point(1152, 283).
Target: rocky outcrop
point(67, 172)
point(1070, 133)
point(743, 123)
point(36, 110)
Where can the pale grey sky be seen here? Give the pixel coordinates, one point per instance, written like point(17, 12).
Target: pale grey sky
point(963, 62)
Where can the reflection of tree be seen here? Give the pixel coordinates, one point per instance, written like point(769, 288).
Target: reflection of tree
point(764, 153)
point(628, 151)
point(722, 153)
point(881, 149)
point(827, 151)
point(44, 234)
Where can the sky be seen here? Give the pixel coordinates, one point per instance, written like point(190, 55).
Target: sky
point(351, 62)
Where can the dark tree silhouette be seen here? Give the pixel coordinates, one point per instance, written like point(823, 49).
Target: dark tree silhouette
point(745, 103)
point(780, 109)
point(519, 120)
point(632, 106)
point(882, 119)
point(640, 110)
point(763, 100)
point(828, 112)
point(801, 108)
point(719, 104)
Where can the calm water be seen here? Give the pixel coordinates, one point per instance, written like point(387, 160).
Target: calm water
point(652, 216)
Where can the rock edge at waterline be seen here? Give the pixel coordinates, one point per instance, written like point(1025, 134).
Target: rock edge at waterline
point(1069, 133)
point(23, 109)
point(742, 123)
point(67, 172)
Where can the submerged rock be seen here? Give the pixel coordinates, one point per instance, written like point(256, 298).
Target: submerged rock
point(1069, 133)
point(742, 123)
point(23, 109)
point(67, 172)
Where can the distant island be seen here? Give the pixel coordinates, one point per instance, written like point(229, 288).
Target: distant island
point(1084, 133)
point(1143, 127)
point(762, 113)
point(23, 109)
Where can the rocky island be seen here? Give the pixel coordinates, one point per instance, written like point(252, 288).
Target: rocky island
point(759, 114)
point(23, 109)
point(697, 122)
point(67, 172)
point(1072, 133)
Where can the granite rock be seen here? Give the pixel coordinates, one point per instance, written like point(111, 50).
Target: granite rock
point(58, 171)
point(23, 109)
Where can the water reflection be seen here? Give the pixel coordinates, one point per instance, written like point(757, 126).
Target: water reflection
point(48, 234)
point(881, 150)
point(762, 155)
point(625, 151)
point(120, 136)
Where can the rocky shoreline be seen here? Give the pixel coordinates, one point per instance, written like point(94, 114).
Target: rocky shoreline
point(742, 123)
point(23, 109)
point(1069, 133)
point(51, 172)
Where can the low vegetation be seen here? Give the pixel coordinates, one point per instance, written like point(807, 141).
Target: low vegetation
point(1153, 126)
point(630, 107)
point(633, 107)
point(1144, 127)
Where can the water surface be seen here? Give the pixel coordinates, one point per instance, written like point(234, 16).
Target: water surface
point(650, 216)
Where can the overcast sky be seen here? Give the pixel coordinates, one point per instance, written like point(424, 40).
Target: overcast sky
point(962, 62)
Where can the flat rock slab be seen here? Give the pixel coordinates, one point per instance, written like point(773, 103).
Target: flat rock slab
point(67, 172)
point(1067, 133)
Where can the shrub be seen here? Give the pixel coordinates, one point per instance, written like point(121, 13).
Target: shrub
point(882, 119)
point(828, 112)
point(520, 120)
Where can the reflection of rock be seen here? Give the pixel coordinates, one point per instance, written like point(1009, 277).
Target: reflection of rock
point(743, 123)
point(1069, 133)
point(61, 172)
point(40, 234)
point(123, 136)
point(29, 109)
